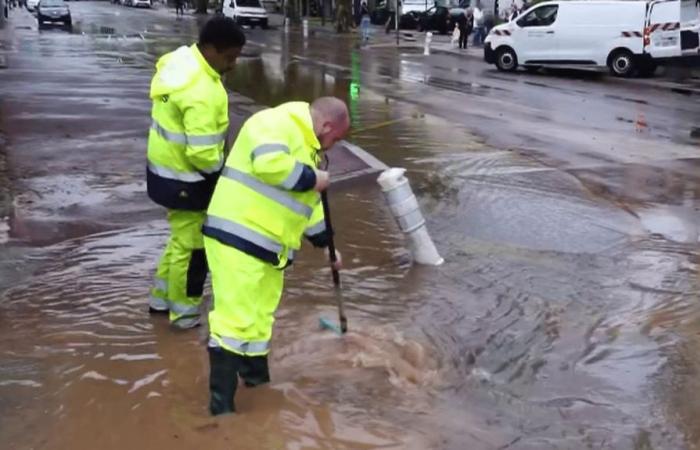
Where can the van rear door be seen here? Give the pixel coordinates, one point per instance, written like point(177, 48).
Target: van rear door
point(690, 27)
point(662, 34)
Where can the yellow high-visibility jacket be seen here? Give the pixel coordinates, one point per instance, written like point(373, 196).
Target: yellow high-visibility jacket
point(189, 122)
point(264, 201)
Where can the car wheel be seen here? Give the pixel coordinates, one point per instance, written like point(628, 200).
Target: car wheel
point(264, 25)
point(506, 59)
point(621, 64)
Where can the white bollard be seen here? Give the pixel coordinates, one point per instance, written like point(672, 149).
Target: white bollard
point(428, 40)
point(405, 209)
point(306, 28)
point(286, 25)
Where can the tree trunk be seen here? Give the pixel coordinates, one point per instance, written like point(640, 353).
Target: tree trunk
point(343, 16)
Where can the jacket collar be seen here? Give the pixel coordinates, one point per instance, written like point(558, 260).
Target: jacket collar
point(203, 62)
point(301, 113)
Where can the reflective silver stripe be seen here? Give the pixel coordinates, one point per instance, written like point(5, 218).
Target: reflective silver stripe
point(271, 192)
point(164, 172)
point(184, 310)
point(294, 176)
point(241, 346)
point(316, 229)
point(216, 167)
point(206, 139)
point(178, 138)
point(160, 284)
point(184, 139)
point(268, 148)
point(247, 234)
point(158, 304)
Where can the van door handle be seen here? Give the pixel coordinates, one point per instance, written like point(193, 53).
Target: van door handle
point(550, 32)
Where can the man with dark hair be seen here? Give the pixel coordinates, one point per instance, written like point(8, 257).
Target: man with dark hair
point(189, 124)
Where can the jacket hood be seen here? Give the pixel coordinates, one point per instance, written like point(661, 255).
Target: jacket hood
point(177, 70)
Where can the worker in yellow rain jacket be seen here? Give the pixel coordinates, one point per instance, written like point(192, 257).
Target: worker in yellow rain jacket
point(189, 123)
point(265, 201)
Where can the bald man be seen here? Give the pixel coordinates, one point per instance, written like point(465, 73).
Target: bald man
point(265, 201)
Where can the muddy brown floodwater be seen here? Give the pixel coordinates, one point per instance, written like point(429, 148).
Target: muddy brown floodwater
point(565, 316)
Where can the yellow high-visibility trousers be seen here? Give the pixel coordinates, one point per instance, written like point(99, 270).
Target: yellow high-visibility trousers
point(182, 270)
point(246, 293)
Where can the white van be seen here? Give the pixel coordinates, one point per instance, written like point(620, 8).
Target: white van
point(246, 12)
point(587, 34)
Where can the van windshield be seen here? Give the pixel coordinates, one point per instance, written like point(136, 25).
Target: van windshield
point(249, 3)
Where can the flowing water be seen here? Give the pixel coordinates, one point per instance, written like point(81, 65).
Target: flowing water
point(565, 315)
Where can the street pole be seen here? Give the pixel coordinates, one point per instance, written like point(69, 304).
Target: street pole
point(398, 5)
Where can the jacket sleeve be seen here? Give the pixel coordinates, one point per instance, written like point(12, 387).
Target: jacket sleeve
point(205, 138)
point(316, 231)
point(274, 164)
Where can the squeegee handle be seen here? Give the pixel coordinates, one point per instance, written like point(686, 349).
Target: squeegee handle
point(331, 243)
point(331, 253)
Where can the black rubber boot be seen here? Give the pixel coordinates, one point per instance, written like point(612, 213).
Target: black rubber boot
point(223, 380)
point(254, 370)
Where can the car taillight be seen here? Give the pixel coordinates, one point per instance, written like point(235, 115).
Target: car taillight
point(647, 36)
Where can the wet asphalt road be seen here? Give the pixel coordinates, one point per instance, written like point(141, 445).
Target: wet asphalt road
point(565, 205)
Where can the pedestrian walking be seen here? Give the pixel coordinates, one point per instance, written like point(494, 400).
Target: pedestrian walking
point(185, 156)
point(266, 200)
point(466, 26)
point(489, 23)
point(514, 12)
point(179, 8)
point(479, 26)
point(364, 21)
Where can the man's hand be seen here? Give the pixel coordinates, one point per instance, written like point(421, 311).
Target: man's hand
point(338, 259)
point(322, 180)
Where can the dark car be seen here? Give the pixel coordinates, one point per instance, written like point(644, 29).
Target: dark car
point(53, 11)
point(382, 14)
point(441, 18)
point(436, 18)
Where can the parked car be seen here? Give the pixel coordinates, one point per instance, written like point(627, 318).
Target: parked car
point(629, 37)
point(31, 5)
point(141, 3)
point(246, 12)
point(437, 18)
point(574, 33)
point(53, 11)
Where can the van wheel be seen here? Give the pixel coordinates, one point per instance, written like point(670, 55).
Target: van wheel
point(506, 60)
point(621, 64)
